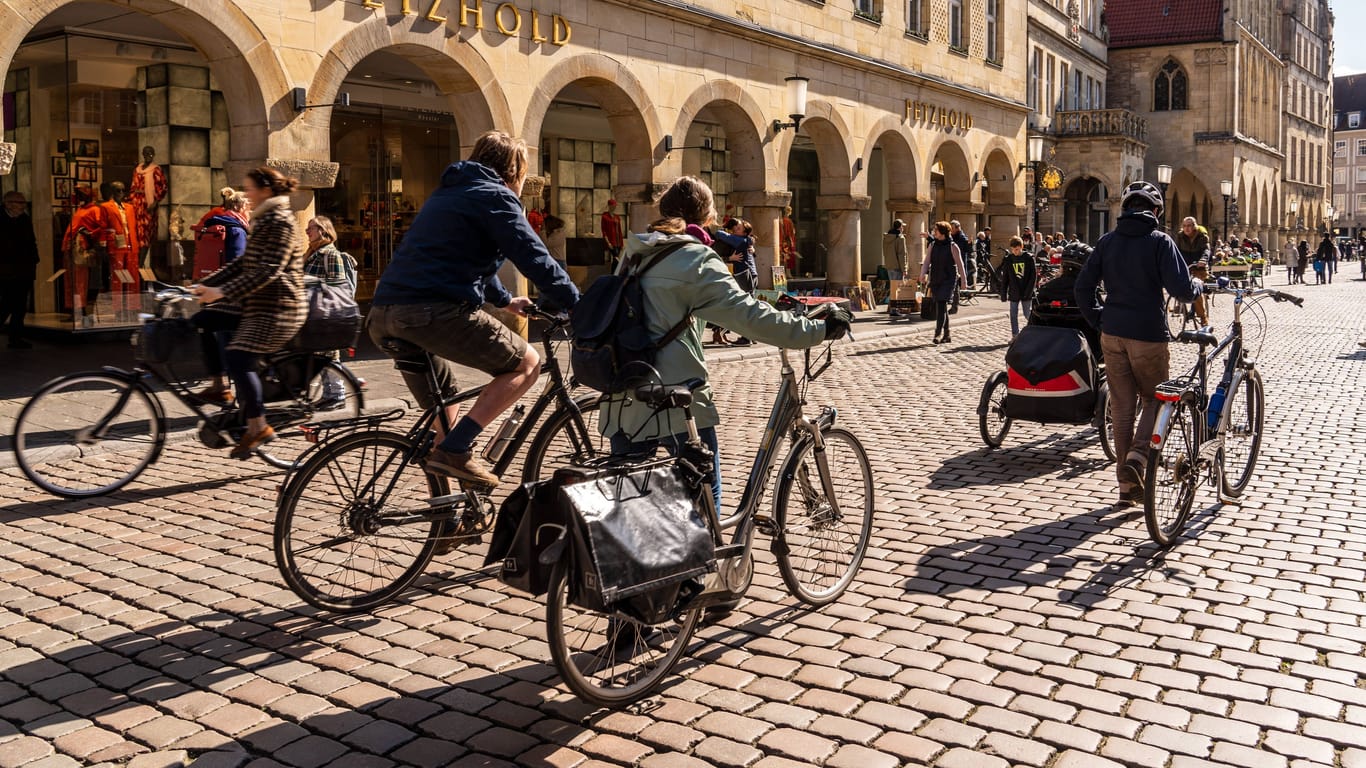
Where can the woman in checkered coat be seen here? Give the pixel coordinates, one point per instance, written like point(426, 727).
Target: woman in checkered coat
point(267, 283)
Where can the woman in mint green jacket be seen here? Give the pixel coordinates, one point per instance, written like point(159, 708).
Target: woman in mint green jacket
point(694, 280)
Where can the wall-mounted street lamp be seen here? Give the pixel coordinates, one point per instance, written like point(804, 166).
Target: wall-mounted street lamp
point(300, 99)
point(796, 104)
point(1034, 147)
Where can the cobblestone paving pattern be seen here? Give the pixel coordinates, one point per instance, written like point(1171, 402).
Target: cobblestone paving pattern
point(1005, 616)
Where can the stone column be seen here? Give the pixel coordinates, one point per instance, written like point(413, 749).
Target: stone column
point(843, 263)
point(763, 210)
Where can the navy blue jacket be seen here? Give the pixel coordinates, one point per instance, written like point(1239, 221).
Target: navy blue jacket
point(459, 240)
point(234, 235)
point(1136, 262)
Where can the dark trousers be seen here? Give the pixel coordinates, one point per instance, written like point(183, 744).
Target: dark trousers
point(14, 293)
point(216, 328)
point(941, 317)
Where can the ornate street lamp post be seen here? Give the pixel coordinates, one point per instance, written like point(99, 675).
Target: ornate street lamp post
point(1226, 189)
point(1164, 179)
point(1036, 162)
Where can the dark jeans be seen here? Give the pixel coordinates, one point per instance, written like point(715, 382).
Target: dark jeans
point(14, 293)
point(623, 446)
point(242, 367)
point(941, 317)
point(216, 328)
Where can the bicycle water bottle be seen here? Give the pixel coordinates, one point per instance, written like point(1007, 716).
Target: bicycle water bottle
point(500, 442)
point(1216, 407)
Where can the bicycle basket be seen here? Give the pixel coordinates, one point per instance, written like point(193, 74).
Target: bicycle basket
point(159, 339)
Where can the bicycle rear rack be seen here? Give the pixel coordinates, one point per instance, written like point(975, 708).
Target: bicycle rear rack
point(315, 430)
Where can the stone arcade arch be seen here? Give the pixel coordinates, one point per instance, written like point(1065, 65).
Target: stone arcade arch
point(999, 193)
point(825, 212)
point(950, 182)
point(893, 189)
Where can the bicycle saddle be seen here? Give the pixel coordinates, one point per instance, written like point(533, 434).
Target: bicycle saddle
point(661, 396)
point(399, 348)
point(1203, 338)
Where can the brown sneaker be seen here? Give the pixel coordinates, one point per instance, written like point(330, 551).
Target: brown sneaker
point(461, 466)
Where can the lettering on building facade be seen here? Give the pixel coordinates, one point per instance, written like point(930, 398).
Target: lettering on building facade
point(507, 18)
point(934, 115)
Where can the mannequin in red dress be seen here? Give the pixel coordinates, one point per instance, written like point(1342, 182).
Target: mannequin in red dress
point(787, 241)
point(145, 193)
point(613, 232)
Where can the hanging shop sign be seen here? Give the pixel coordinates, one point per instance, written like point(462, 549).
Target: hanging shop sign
point(934, 115)
point(507, 18)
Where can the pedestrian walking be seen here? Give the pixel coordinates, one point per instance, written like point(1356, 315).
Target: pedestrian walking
point(894, 248)
point(18, 266)
point(1193, 243)
point(960, 239)
point(1136, 262)
point(1301, 260)
point(1291, 256)
point(735, 243)
point(1322, 255)
point(266, 281)
point(1017, 273)
point(943, 274)
point(1331, 265)
point(335, 267)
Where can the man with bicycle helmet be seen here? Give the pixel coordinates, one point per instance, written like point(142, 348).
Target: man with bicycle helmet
point(1136, 263)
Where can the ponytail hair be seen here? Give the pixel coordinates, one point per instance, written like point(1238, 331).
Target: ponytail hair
point(687, 201)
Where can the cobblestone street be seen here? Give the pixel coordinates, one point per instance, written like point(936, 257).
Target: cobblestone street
point(1005, 615)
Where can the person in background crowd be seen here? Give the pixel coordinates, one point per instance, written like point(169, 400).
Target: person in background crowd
point(1291, 256)
point(1322, 255)
point(1136, 262)
point(1017, 278)
point(986, 271)
point(943, 274)
point(18, 266)
point(894, 248)
point(554, 235)
point(735, 244)
point(1193, 243)
point(224, 194)
point(1331, 263)
point(1301, 261)
point(960, 239)
point(266, 282)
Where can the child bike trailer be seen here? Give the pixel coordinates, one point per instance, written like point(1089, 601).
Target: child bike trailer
point(1051, 377)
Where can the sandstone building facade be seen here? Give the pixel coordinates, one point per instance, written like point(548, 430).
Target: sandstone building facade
point(915, 110)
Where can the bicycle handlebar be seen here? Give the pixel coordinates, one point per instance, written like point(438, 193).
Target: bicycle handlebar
point(1212, 289)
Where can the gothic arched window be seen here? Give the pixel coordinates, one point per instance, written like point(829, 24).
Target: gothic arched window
point(1170, 88)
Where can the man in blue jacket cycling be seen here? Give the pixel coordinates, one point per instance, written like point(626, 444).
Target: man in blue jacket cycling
point(433, 292)
point(1136, 263)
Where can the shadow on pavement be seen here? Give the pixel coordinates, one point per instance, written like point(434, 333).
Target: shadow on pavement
point(977, 348)
point(56, 506)
point(1017, 463)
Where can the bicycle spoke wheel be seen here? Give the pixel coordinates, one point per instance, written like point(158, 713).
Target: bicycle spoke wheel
point(332, 393)
point(1171, 477)
point(565, 438)
point(353, 528)
point(607, 659)
point(87, 434)
point(1242, 435)
point(993, 421)
point(1105, 422)
point(1179, 316)
point(818, 548)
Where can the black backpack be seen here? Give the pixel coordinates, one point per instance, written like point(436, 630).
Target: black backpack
point(610, 330)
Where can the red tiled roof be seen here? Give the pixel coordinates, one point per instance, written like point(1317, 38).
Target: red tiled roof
point(1141, 23)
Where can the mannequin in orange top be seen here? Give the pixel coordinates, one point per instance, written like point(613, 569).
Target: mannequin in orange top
point(787, 241)
point(84, 238)
point(613, 233)
point(121, 239)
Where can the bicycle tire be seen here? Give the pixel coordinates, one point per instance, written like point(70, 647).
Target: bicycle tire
point(803, 528)
point(1105, 423)
point(1179, 316)
point(556, 440)
point(1250, 419)
point(289, 446)
point(52, 451)
point(992, 420)
point(344, 530)
point(1172, 475)
point(628, 678)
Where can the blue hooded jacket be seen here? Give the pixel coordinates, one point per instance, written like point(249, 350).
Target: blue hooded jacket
point(461, 237)
point(1136, 262)
point(234, 235)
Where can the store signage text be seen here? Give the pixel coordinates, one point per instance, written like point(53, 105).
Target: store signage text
point(507, 18)
point(935, 115)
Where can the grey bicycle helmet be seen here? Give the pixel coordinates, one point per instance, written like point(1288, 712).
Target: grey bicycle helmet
point(1142, 190)
point(1074, 256)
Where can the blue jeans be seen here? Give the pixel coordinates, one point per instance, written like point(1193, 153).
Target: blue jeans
point(622, 445)
point(1028, 305)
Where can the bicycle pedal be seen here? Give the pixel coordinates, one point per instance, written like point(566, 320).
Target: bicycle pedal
point(765, 525)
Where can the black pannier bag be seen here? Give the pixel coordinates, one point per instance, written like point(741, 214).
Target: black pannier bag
point(333, 320)
point(1052, 377)
point(638, 536)
point(529, 522)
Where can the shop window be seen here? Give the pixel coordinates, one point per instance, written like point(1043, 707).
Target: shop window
point(1169, 88)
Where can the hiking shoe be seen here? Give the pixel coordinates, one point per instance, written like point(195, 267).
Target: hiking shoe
point(461, 466)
